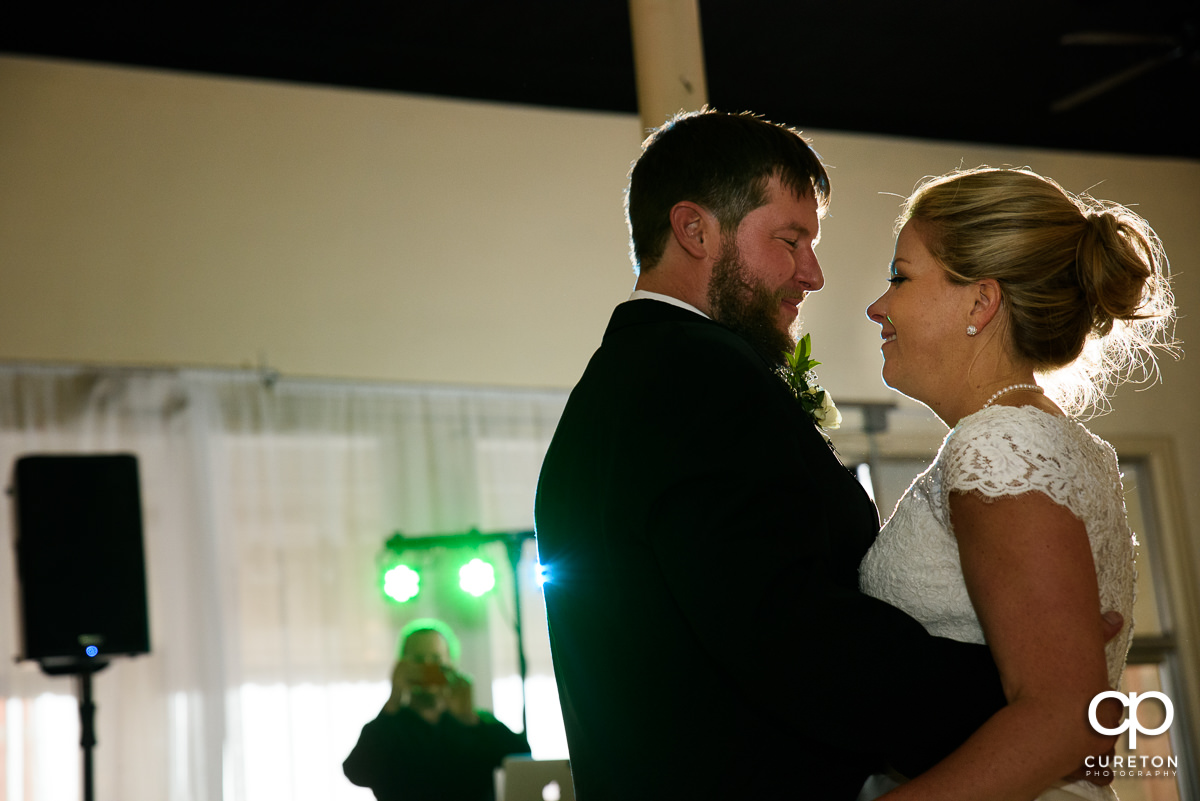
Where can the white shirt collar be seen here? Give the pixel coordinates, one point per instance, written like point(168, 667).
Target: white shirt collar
point(641, 294)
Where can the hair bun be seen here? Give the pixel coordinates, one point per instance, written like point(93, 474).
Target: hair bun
point(1114, 261)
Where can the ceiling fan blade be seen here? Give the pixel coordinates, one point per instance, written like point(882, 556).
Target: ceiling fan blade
point(1113, 81)
point(1117, 39)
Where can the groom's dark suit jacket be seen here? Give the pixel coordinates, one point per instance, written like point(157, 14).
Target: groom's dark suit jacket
point(702, 545)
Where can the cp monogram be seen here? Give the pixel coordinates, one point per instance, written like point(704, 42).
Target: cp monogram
point(1132, 723)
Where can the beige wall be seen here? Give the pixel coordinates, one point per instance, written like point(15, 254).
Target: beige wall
point(155, 218)
point(151, 218)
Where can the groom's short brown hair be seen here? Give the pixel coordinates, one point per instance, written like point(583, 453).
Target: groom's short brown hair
point(720, 161)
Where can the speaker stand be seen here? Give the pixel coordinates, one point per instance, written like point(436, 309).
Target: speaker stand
point(82, 669)
point(87, 727)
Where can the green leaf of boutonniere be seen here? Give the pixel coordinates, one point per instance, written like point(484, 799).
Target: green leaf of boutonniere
point(802, 381)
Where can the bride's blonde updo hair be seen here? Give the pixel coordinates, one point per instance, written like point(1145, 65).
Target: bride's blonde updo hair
point(1084, 281)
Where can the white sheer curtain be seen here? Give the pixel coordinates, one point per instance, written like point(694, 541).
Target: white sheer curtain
point(266, 505)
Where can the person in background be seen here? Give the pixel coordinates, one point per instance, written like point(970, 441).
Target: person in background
point(429, 741)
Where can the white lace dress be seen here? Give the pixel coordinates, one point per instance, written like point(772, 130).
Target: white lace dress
point(1002, 451)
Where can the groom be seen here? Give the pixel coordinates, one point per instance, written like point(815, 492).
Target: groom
point(702, 541)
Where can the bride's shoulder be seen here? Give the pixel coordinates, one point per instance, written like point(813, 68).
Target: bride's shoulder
point(1015, 450)
point(1010, 446)
point(1017, 424)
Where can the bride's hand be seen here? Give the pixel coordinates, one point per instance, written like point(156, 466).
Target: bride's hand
point(1108, 714)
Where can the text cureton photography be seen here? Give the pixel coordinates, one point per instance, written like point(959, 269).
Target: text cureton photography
point(1133, 765)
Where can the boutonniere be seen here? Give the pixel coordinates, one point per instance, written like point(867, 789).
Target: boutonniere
point(802, 381)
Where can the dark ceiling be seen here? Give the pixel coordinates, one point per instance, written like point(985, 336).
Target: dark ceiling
point(942, 69)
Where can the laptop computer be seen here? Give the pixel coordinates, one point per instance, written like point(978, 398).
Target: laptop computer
point(526, 779)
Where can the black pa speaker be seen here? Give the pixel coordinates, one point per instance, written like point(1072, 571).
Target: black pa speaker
point(79, 559)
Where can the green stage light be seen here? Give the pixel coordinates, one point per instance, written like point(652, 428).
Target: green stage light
point(401, 583)
point(477, 577)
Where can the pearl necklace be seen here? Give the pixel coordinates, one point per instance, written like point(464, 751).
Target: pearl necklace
point(1014, 388)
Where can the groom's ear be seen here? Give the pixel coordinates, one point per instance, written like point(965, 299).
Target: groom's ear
point(695, 229)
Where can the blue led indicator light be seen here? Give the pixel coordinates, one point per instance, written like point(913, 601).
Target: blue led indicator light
point(91, 650)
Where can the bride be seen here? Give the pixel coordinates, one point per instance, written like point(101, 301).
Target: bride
point(1016, 535)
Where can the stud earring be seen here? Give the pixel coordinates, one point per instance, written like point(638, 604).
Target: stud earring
point(972, 330)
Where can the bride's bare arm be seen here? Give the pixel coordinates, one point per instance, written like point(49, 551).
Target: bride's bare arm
point(1029, 571)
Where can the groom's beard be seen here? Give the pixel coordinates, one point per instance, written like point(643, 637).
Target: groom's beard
point(749, 308)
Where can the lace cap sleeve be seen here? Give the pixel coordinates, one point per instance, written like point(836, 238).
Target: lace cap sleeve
point(1005, 450)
